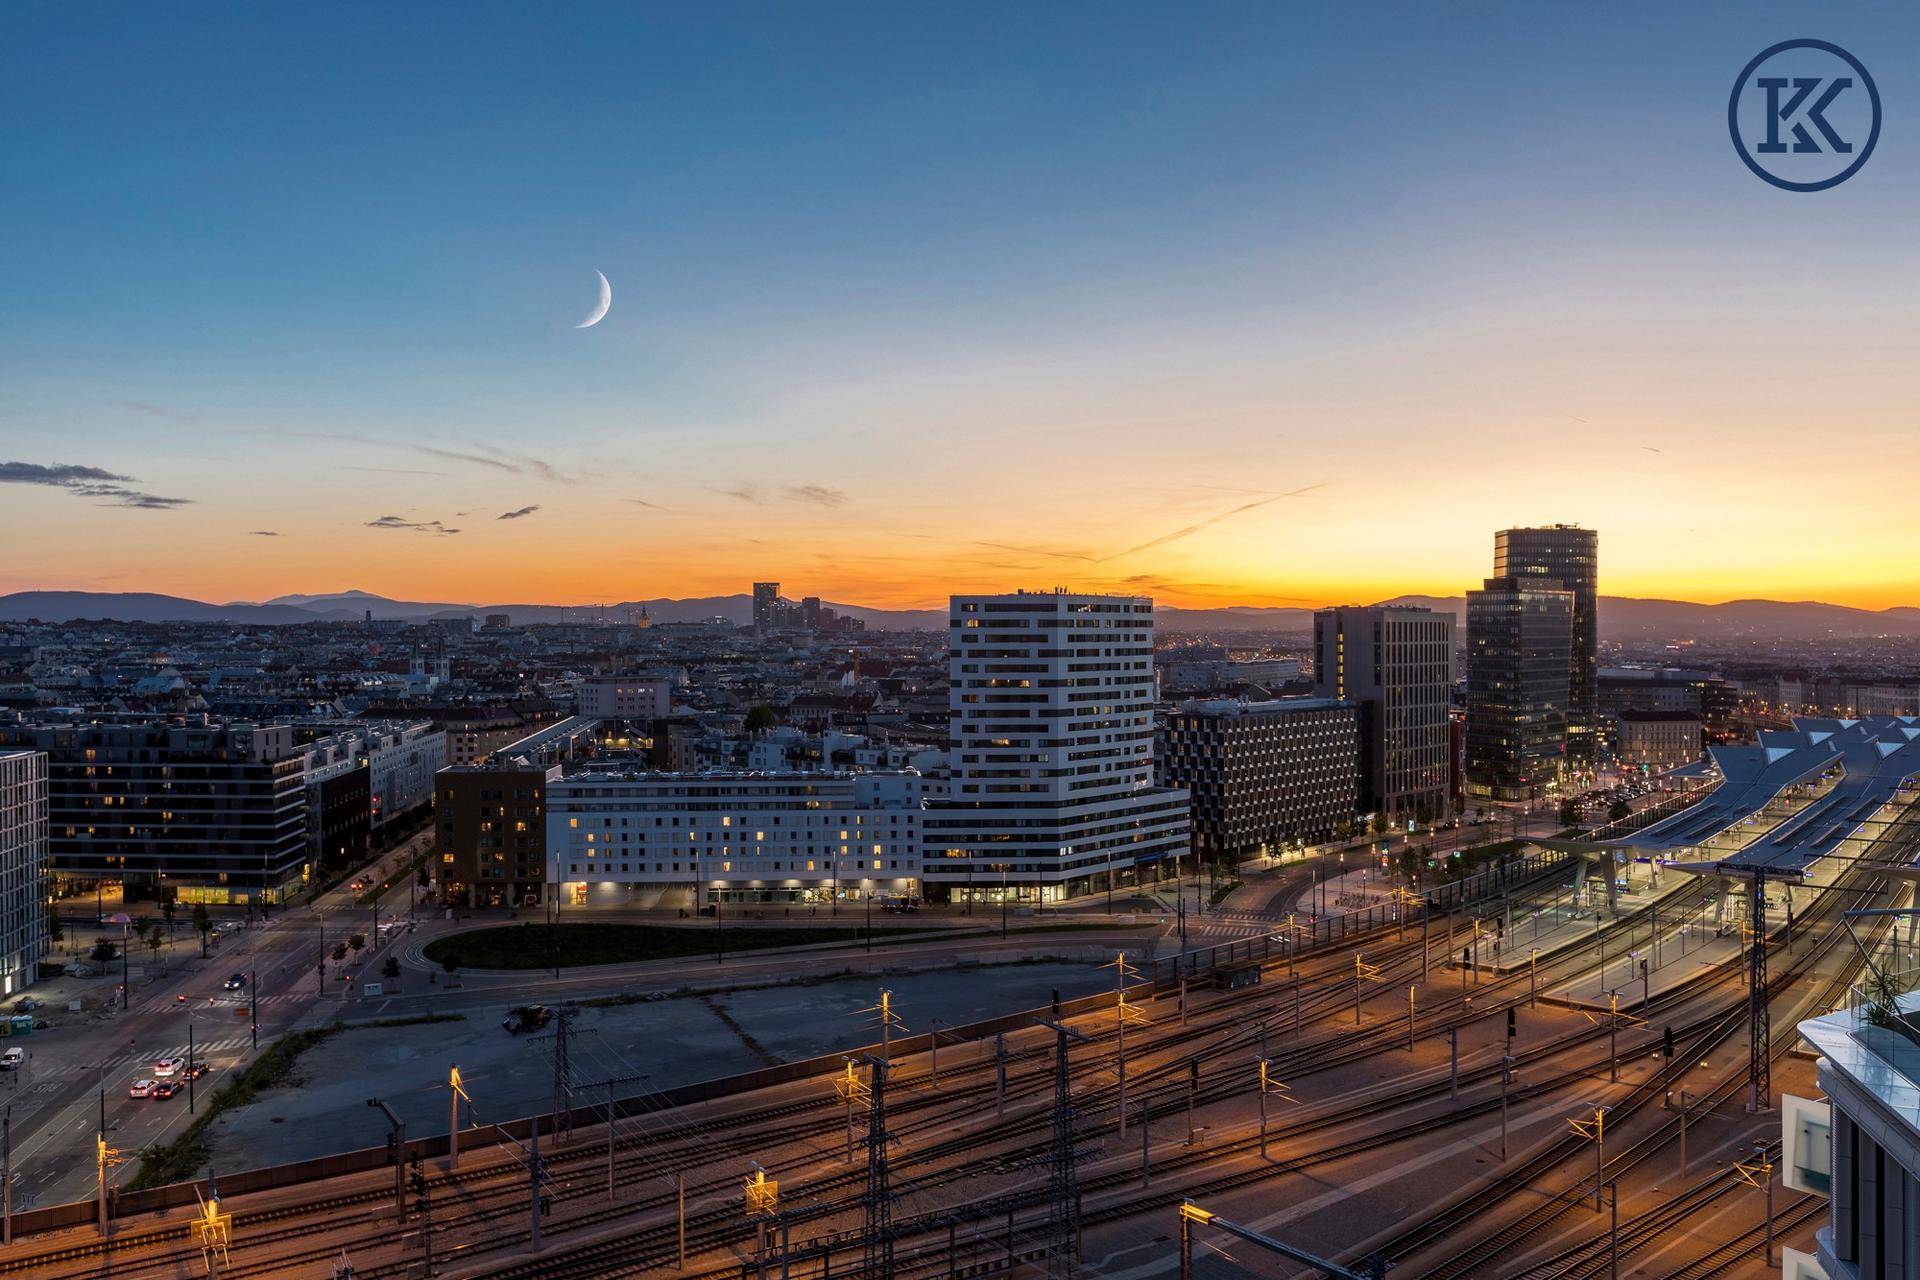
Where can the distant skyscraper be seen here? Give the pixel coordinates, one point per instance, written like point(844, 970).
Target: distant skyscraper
point(1519, 646)
point(1568, 556)
point(1399, 664)
point(1051, 727)
point(766, 605)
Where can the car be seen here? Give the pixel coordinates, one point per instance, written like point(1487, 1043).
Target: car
point(358, 885)
point(236, 982)
point(169, 1067)
point(13, 1059)
point(526, 1017)
point(197, 1070)
point(27, 1004)
point(166, 1088)
point(141, 1089)
point(227, 926)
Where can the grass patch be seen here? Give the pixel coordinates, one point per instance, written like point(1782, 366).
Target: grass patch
point(185, 1155)
point(535, 946)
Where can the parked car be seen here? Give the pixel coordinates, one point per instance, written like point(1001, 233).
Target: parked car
point(166, 1088)
point(27, 1004)
point(13, 1059)
point(141, 1089)
point(169, 1067)
point(526, 1017)
point(236, 982)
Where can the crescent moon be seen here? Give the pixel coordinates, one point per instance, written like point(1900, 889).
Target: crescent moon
point(601, 307)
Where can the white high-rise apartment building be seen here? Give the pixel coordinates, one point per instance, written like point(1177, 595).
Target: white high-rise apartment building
point(1051, 725)
point(23, 866)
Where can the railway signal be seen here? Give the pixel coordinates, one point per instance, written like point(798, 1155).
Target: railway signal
point(1268, 1085)
point(1758, 1173)
point(213, 1230)
point(1595, 1128)
point(851, 1091)
point(1362, 972)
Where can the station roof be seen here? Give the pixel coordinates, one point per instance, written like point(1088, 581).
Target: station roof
point(1877, 757)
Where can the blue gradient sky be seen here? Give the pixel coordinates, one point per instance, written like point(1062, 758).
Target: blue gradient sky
point(894, 283)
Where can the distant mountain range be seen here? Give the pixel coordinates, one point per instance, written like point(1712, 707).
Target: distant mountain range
point(1621, 618)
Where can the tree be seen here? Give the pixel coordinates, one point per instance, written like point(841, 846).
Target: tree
point(103, 951)
point(1569, 812)
point(167, 908)
point(357, 941)
point(760, 718)
point(339, 952)
point(391, 969)
point(203, 925)
point(55, 932)
point(1618, 810)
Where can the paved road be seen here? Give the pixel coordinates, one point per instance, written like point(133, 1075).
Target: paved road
point(80, 1068)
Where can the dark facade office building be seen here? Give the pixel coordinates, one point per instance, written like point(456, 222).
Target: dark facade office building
point(1261, 774)
point(1566, 556)
point(198, 810)
point(1519, 641)
point(1399, 664)
point(492, 833)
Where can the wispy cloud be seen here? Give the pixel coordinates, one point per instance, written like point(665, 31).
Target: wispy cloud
point(651, 506)
point(158, 410)
point(818, 495)
point(418, 526)
point(264, 533)
point(399, 471)
point(516, 515)
point(1211, 521)
point(88, 482)
point(475, 454)
point(1050, 552)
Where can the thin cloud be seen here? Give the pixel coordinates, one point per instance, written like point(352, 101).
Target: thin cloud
point(818, 495)
point(651, 506)
point(88, 482)
point(526, 464)
point(482, 455)
point(1210, 521)
point(264, 533)
point(417, 526)
point(1039, 551)
point(516, 515)
point(400, 471)
point(158, 410)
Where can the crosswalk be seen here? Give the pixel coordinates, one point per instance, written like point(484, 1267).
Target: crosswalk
point(48, 1066)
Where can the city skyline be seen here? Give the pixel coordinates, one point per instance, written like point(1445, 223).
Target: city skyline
point(904, 307)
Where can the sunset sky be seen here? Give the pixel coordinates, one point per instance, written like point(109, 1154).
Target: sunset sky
point(1261, 303)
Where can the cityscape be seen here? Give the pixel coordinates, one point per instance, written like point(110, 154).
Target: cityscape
point(944, 710)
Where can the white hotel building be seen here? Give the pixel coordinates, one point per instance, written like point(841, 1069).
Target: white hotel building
point(786, 838)
point(1052, 794)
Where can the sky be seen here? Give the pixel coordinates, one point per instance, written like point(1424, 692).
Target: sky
point(1217, 303)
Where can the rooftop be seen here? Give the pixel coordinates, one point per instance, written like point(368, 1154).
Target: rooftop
point(1870, 762)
